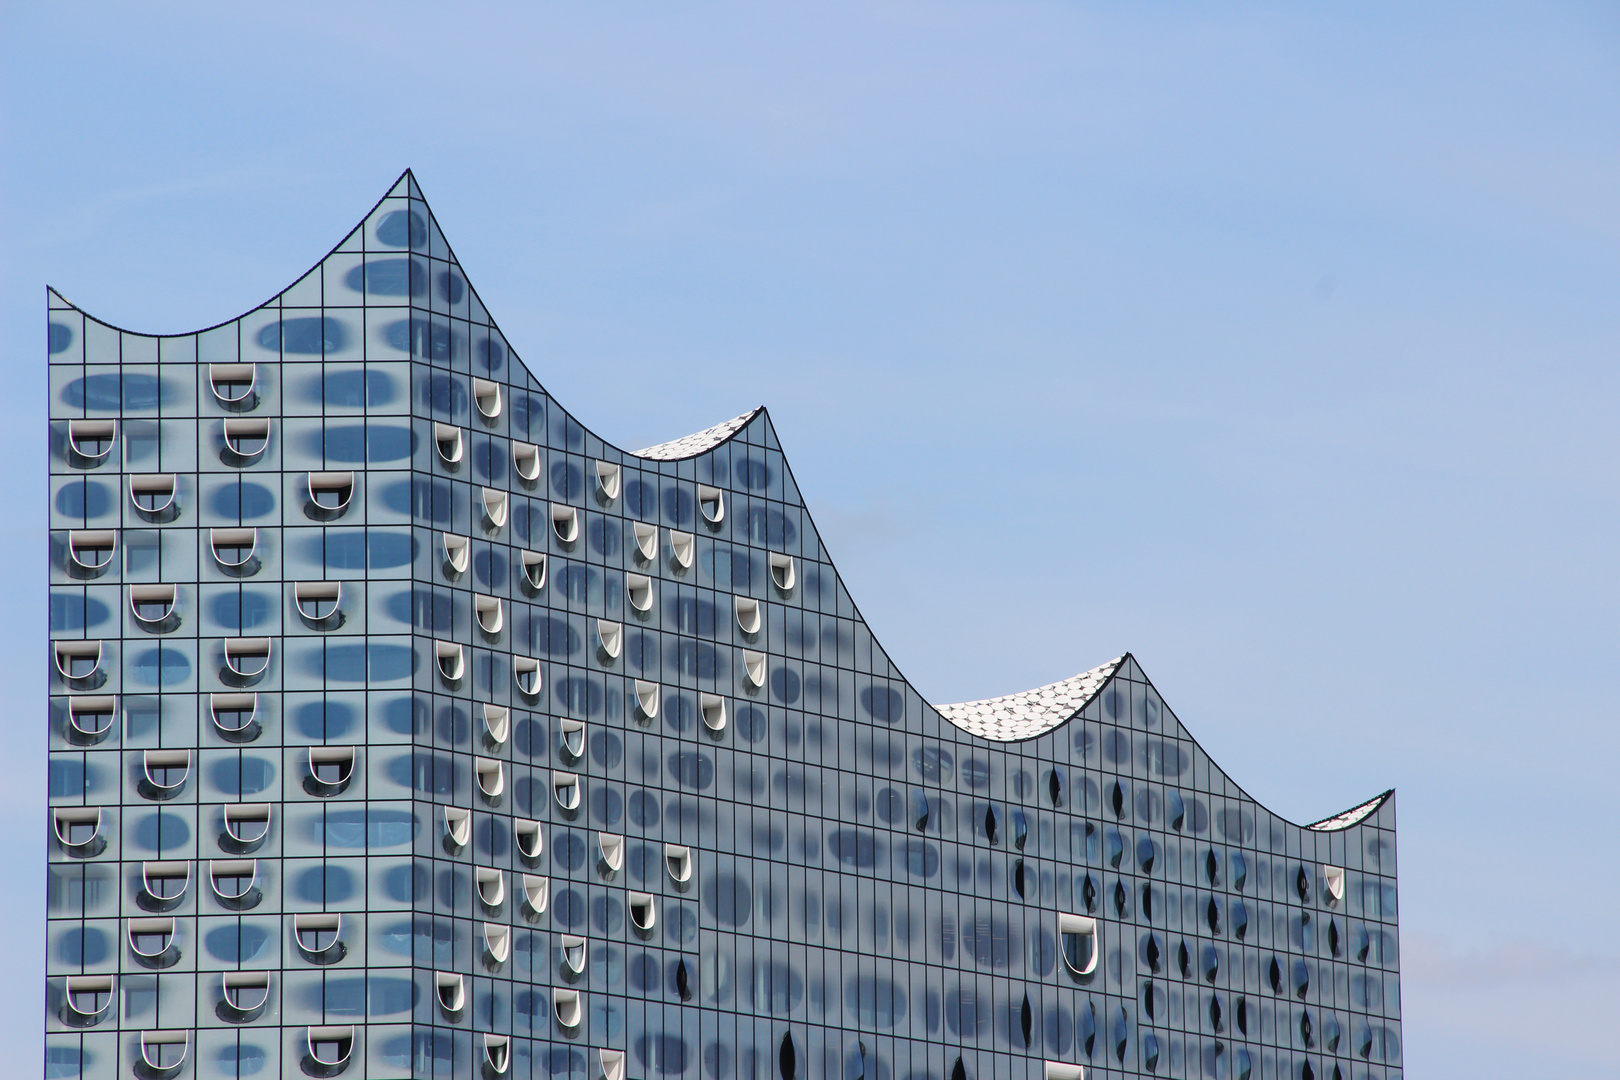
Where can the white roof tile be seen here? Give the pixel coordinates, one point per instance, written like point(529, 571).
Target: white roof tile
point(696, 443)
point(1028, 713)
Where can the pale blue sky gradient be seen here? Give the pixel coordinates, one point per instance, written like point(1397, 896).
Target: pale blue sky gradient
point(1275, 344)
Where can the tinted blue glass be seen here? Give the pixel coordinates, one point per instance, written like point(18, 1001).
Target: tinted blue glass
point(308, 335)
point(105, 391)
point(402, 228)
point(83, 498)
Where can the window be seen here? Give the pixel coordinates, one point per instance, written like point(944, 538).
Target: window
point(247, 825)
point(643, 911)
point(447, 441)
point(234, 549)
point(164, 1052)
point(612, 1062)
point(530, 838)
point(565, 787)
point(748, 617)
point(526, 461)
point(571, 738)
point(536, 893)
point(495, 507)
point(153, 495)
point(610, 638)
point(88, 998)
point(647, 698)
point(330, 493)
point(487, 397)
point(91, 440)
point(497, 942)
point(79, 661)
point(611, 848)
point(1078, 934)
point(491, 885)
point(568, 1008)
point(713, 709)
point(646, 540)
point(497, 724)
point(233, 384)
point(91, 718)
point(246, 993)
point(457, 827)
point(163, 884)
point(712, 504)
point(681, 547)
point(165, 773)
point(452, 991)
point(318, 603)
point(153, 941)
point(490, 614)
point(754, 668)
point(526, 674)
point(1333, 879)
point(565, 522)
point(330, 1048)
point(783, 571)
point(247, 658)
point(451, 659)
point(318, 934)
point(457, 553)
point(498, 1053)
point(491, 778)
point(573, 953)
point(153, 607)
point(534, 569)
point(244, 440)
point(607, 480)
point(234, 882)
point(330, 769)
point(639, 589)
point(90, 551)
point(1062, 1070)
point(678, 861)
point(235, 716)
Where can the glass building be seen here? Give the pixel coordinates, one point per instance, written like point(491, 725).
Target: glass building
point(402, 727)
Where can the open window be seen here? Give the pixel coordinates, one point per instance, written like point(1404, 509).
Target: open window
point(246, 826)
point(91, 440)
point(530, 839)
point(711, 504)
point(610, 846)
point(88, 1000)
point(153, 607)
point(646, 540)
point(565, 522)
point(448, 442)
point(452, 991)
point(487, 398)
point(536, 893)
point(235, 882)
point(497, 1054)
point(678, 862)
point(490, 612)
point(235, 550)
point(612, 1062)
point(647, 698)
point(79, 662)
point(154, 942)
point(713, 709)
point(90, 719)
point(164, 1052)
point(245, 994)
point(330, 770)
point(153, 495)
point(643, 911)
point(497, 943)
point(526, 674)
point(783, 571)
point(497, 724)
point(639, 591)
point(163, 884)
point(247, 658)
point(457, 554)
point(457, 828)
point(534, 569)
point(571, 738)
point(573, 954)
point(78, 830)
point(681, 548)
point(565, 789)
point(330, 494)
point(754, 668)
point(495, 507)
point(749, 619)
point(329, 1050)
point(235, 716)
point(608, 478)
point(1078, 937)
point(491, 777)
point(1333, 883)
point(1062, 1070)
point(451, 658)
point(90, 551)
point(568, 1008)
point(232, 385)
point(245, 440)
point(491, 884)
point(319, 935)
point(526, 461)
point(610, 638)
point(164, 773)
point(319, 603)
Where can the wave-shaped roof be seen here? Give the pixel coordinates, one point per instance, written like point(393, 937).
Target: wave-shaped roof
point(1029, 713)
point(697, 442)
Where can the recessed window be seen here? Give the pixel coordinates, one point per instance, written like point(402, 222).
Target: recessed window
point(754, 668)
point(610, 638)
point(91, 440)
point(573, 953)
point(530, 839)
point(232, 384)
point(565, 522)
point(526, 460)
point(639, 590)
point(712, 504)
point(330, 1048)
point(457, 827)
point(165, 773)
point(318, 935)
point(78, 661)
point(490, 613)
point(920, 810)
point(234, 549)
point(491, 777)
point(89, 997)
point(712, 707)
point(318, 603)
point(247, 824)
point(1020, 879)
point(536, 893)
point(153, 495)
point(497, 724)
point(448, 442)
point(491, 884)
point(1078, 934)
point(90, 719)
point(245, 440)
point(1333, 879)
point(643, 911)
point(497, 942)
point(1062, 1070)
point(235, 716)
point(608, 477)
point(647, 695)
point(534, 569)
point(90, 551)
point(568, 1008)
point(164, 1052)
point(451, 659)
point(487, 397)
point(153, 607)
point(612, 1062)
point(246, 993)
point(153, 941)
point(457, 554)
point(495, 507)
point(565, 788)
point(235, 882)
point(681, 548)
point(452, 991)
point(748, 615)
point(646, 540)
point(498, 1053)
point(783, 571)
point(163, 884)
point(610, 846)
point(330, 769)
point(571, 738)
point(526, 674)
point(330, 493)
point(678, 862)
point(1302, 884)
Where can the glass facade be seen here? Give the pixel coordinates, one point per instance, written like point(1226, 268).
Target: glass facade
point(400, 727)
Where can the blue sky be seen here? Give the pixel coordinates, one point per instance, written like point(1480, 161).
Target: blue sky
point(1274, 344)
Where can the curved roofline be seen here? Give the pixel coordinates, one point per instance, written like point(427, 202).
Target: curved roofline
point(728, 431)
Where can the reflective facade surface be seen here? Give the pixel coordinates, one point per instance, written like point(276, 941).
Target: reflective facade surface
point(402, 727)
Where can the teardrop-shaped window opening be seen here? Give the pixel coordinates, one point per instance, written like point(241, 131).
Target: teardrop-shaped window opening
point(245, 993)
point(1302, 979)
point(232, 384)
point(491, 886)
point(1078, 934)
point(646, 540)
point(1151, 953)
point(165, 773)
point(91, 718)
point(91, 550)
point(153, 941)
point(1020, 829)
point(610, 848)
point(711, 503)
point(678, 862)
point(234, 881)
point(1175, 810)
point(1122, 899)
point(1243, 1016)
point(163, 884)
point(534, 569)
point(754, 668)
point(88, 997)
point(647, 695)
point(643, 911)
point(612, 1062)
point(713, 709)
point(79, 661)
point(1307, 1030)
point(1150, 1003)
point(683, 981)
point(457, 554)
point(164, 1052)
point(1240, 871)
point(91, 440)
point(1333, 882)
point(564, 523)
point(1018, 875)
point(491, 613)
point(1116, 848)
point(919, 810)
point(1146, 853)
point(1212, 868)
point(536, 893)
point(1056, 782)
point(1334, 945)
point(330, 1047)
point(491, 777)
point(639, 591)
point(331, 492)
point(748, 614)
point(1240, 920)
point(1212, 915)
point(565, 786)
point(153, 494)
point(783, 571)
point(247, 824)
point(526, 674)
point(1116, 799)
point(247, 658)
point(530, 838)
point(153, 606)
point(1216, 1021)
point(526, 461)
point(330, 769)
point(1088, 893)
point(452, 991)
point(787, 1059)
point(609, 638)
point(1026, 1021)
point(451, 660)
point(497, 724)
point(571, 738)
point(1210, 963)
point(992, 824)
point(457, 827)
point(608, 477)
point(1147, 902)
point(234, 549)
point(495, 505)
point(1275, 974)
point(497, 943)
point(568, 1008)
point(959, 1070)
point(318, 602)
point(487, 398)
point(245, 440)
point(1302, 884)
point(681, 548)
